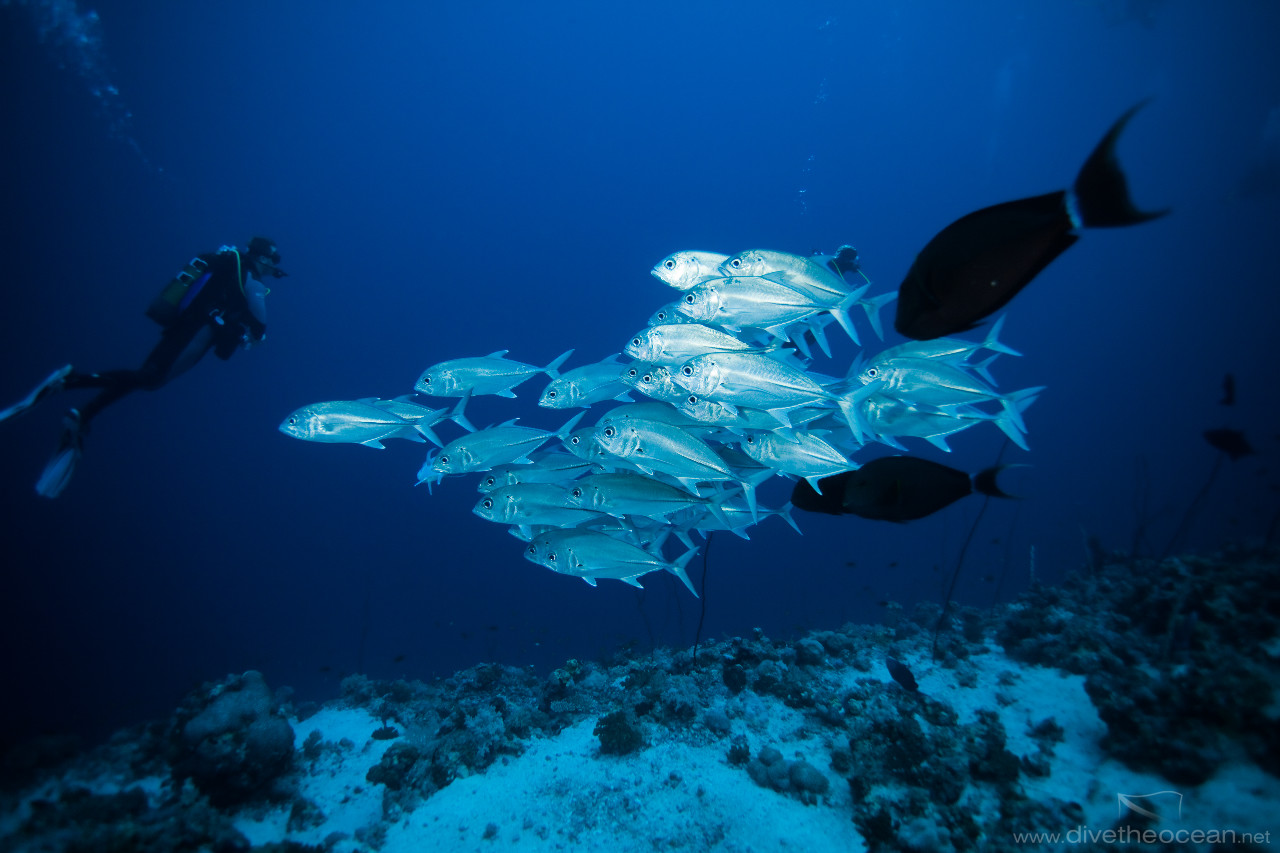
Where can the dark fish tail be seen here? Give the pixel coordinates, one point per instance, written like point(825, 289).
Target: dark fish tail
point(984, 482)
point(1101, 193)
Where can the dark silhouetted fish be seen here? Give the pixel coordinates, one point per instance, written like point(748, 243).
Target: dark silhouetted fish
point(895, 488)
point(1228, 390)
point(1230, 441)
point(975, 265)
point(902, 675)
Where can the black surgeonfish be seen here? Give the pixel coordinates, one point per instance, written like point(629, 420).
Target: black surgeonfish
point(901, 674)
point(975, 265)
point(1230, 441)
point(895, 488)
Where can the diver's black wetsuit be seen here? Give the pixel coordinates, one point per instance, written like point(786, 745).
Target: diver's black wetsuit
point(218, 318)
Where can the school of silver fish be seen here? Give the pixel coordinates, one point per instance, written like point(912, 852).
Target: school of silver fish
point(730, 400)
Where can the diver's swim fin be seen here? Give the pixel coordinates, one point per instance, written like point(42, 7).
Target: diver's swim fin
point(51, 385)
point(57, 472)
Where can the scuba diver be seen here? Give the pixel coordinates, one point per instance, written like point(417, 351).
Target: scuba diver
point(218, 302)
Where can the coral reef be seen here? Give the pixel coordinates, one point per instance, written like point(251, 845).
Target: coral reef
point(1178, 658)
point(231, 740)
point(1179, 655)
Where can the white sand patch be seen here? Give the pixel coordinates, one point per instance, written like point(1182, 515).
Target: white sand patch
point(335, 782)
point(562, 795)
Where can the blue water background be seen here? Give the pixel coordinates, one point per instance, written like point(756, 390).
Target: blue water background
point(447, 181)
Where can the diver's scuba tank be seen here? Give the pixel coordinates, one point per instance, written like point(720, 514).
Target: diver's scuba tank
point(179, 292)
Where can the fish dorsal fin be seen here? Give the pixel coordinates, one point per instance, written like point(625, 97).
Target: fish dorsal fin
point(498, 353)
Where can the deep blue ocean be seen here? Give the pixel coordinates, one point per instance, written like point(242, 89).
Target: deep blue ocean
point(450, 180)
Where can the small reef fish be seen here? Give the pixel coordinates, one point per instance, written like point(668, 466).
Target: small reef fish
point(592, 555)
point(890, 418)
point(547, 466)
point(487, 448)
point(801, 454)
point(761, 302)
point(673, 344)
point(526, 505)
point(490, 374)
point(584, 386)
point(350, 422)
point(974, 266)
point(424, 418)
point(652, 446)
point(622, 494)
point(895, 488)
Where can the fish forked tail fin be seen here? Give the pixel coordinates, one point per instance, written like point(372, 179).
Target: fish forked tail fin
point(992, 340)
point(1101, 192)
point(841, 312)
point(1010, 418)
point(784, 512)
point(985, 483)
point(677, 569)
point(563, 433)
point(553, 369)
point(458, 417)
point(873, 305)
point(851, 407)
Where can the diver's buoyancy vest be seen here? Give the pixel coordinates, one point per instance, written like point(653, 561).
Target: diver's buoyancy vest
point(179, 292)
point(182, 289)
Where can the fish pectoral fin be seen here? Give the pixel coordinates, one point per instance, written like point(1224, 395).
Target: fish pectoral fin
point(374, 443)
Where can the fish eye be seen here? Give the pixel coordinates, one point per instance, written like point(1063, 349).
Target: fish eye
point(692, 400)
point(577, 493)
point(670, 264)
point(646, 378)
point(426, 380)
point(687, 370)
point(551, 395)
point(488, 503)
point(632, 372)
point(552, 556)
point(574, 439)
point(872, 372)
point(661, 315)
point(444, 460)
point(533, 549)
point(736, 263)
point(751, 439)
point(293, 420)
point(608, 432)
point(689, 298)
point(635, 342)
